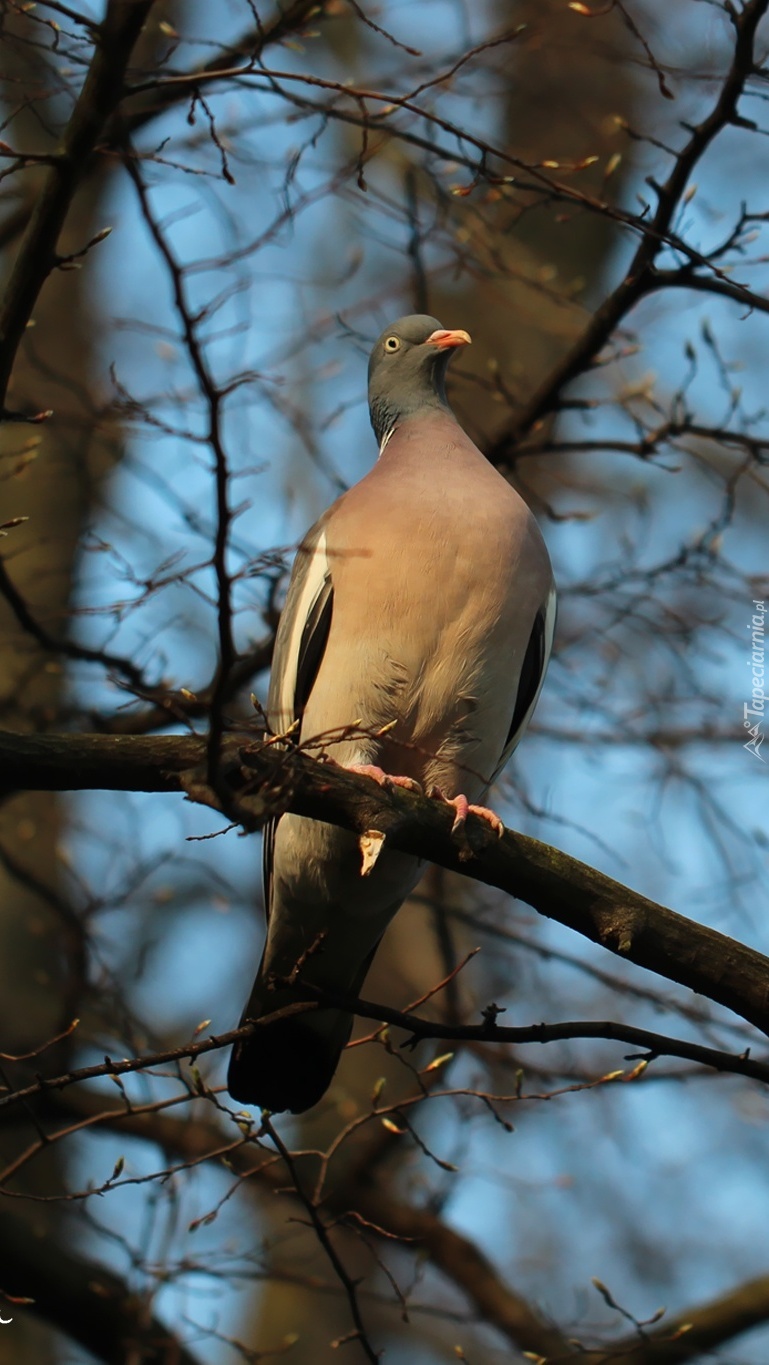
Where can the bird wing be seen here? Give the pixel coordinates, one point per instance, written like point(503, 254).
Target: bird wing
point(532, 676)
point(299, 648)
point(303, 631)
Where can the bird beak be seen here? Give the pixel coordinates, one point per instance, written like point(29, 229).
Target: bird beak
point(444, 340)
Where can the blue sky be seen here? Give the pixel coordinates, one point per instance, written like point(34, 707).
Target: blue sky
point(591, 1183)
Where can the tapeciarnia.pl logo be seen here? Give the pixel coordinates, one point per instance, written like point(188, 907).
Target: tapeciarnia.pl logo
point(756, 707)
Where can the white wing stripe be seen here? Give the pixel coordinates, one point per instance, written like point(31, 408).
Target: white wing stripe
point(317, 573)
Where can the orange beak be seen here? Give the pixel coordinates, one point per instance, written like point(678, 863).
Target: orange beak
point(444, 340)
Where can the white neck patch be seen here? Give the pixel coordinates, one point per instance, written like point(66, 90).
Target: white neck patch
point(385, 439)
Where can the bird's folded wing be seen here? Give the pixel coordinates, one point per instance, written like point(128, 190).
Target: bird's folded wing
point(303, 630)
point(531, 677)
point(299, 648)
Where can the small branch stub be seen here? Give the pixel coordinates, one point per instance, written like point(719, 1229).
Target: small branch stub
point(371, 844)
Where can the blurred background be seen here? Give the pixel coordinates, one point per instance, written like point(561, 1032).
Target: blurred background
point(280, 216)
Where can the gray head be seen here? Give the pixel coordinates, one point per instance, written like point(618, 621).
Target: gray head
point(407, 370)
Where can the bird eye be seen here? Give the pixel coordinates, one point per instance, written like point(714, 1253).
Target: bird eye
point(392, 344)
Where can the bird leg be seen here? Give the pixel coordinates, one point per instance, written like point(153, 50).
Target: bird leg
point(384, 779)
point(463, 808)
point(372, 842)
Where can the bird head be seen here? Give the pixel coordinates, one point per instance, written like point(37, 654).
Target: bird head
point(407, 370)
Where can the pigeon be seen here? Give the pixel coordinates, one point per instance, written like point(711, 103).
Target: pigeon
point(413, 646)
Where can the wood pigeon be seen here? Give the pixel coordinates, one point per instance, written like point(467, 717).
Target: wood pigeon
point(418, 625)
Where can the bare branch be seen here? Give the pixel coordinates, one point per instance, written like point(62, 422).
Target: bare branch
point(641, 277)
point(89, 1303)
point(677, 1340)
point(101, 92)
point(556, 885)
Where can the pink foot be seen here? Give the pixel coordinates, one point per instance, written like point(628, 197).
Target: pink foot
point(463, 808)
point(384, 779)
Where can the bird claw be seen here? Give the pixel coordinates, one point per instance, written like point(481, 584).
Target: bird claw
point(463, 808)
point(384, 779)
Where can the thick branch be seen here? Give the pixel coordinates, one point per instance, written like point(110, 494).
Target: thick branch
point(96, 762)
point(641, 277)
point(268, 780)
point(102, 89)
point(139, 113)
point(90, 1304)
point(703, 1328)
point(456, 1256)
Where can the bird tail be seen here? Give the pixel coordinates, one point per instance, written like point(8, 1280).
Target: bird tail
point(291, 1063)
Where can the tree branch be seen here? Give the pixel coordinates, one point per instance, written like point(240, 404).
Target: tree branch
point(253, 43)
point(101, 91)
point(641, 277)
point(266, 780)
point(701, 1327)
point(90, 1304)
point(655, 1044)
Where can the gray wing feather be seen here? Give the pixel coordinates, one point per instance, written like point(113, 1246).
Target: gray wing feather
point(532, 675)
